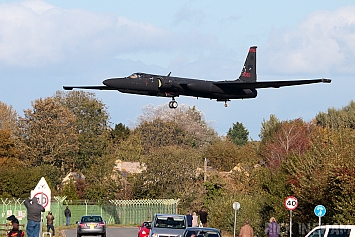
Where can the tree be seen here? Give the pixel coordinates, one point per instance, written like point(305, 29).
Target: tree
point(8, 117)
point(169, 172)
point(289, 137)
point(159, 133)
point(47, 135)
point(91, 124)
point(188, 118)
point(268, 128)
point(238, 134)
point(338, 118)
point(8, 150)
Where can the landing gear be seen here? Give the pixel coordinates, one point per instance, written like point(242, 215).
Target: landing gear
point(173, 104)
point(225, 104)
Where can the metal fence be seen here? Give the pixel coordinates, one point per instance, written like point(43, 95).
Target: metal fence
point(126, 212)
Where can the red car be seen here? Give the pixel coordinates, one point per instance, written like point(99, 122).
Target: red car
point(144, 229)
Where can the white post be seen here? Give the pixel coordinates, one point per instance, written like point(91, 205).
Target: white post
point(235, 221)
point(290, 223)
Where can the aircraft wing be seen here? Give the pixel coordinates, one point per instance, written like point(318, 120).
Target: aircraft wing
point(266, 84)
point(89, 87)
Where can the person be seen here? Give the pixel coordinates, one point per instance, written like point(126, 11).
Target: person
point(34, 211)
point(67, 214)
point(273, 229)
point(194, 219)
point(246, 230)
point(50, 224)
point(14, 232)
point(203, 217)
point(189, 219)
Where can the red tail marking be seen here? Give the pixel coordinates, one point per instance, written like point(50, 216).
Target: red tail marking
point(252, 50)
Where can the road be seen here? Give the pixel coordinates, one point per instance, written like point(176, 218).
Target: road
point(111, 232)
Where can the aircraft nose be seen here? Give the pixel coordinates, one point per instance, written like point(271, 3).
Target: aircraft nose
point(116, 82)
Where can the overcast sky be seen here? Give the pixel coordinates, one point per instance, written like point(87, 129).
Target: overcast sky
point(47, 44)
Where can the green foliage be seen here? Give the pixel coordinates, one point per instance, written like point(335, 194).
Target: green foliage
point(238, 134)
point(338, 118)
point(169, 171)
point(91, 124)
point(69, 191)
point(46, 135)
point(268, 128)
point(120, 133)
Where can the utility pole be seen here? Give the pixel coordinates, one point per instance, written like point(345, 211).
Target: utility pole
point(205, 169)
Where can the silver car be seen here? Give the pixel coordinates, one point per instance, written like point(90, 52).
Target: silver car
point(91, 225)
point(168, 225)
point(201, 232)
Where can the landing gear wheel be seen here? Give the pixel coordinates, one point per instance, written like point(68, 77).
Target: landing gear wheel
point(225, 104)
point(173, 104)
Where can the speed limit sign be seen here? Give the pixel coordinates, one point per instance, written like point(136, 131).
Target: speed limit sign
point(291, 203)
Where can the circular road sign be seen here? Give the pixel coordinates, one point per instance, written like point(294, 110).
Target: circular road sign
point(43, 200)
point(291, 203)
point(320, 210)
point(236, 206)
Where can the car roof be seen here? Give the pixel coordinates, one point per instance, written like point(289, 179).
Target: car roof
point(169, 215)
point(202, 228)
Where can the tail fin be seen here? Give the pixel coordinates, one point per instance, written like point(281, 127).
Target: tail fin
point(248, 73)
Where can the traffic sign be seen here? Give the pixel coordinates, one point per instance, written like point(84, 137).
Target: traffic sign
point(291, 203)
point(320, 210)
point(45, 199)
point(42, 198)
point(236, 206)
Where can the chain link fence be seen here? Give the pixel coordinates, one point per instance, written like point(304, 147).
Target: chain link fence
point(127, 212)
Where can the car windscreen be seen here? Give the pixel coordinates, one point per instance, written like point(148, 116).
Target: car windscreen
point(200, 233)
point(170, 222)
point(338, 232)
point(91, 219)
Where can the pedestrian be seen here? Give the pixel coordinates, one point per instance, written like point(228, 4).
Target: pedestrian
point(189, 219)
point(203, 217)
point(50, 224)
point(194, 219)
point(67, 214)
point(34, 212)
point(15, 232)
point(246, 230)
point(273, 229)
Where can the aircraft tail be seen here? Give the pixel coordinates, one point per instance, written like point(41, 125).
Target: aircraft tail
point(248, 73)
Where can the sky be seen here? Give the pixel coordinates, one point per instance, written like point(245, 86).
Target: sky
point(45, 44)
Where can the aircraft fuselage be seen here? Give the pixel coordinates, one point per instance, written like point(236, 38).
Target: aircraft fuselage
point(167, 86)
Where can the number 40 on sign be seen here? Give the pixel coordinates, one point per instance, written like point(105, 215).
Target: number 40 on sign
point(291, 203)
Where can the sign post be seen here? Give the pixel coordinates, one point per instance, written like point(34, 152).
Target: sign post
point(320, 211)
point(236, 207)
point(43, 193)
point(291, 204)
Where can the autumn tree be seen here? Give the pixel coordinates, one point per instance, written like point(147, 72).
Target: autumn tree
point(268, 127)
point(47, 135)
point(238, 134)
point(8, 117)
point(289, 137)
point(8, 149)
point(91, 124)
point(188, 118)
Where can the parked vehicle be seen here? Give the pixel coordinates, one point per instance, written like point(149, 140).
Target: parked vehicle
point(201, 232)
point(144, 229)
point(171, 225)
point(332, 231)
point(91, 225)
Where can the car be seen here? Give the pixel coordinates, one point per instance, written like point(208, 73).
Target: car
point(172, 225)
point(201, 232)
point(144, 229)
point(332, 231)
point(91, 225)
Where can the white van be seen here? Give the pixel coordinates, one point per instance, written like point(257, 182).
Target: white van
point(333, 231)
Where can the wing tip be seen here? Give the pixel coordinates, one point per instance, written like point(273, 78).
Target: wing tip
point(326, 80)
point(68, 88)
